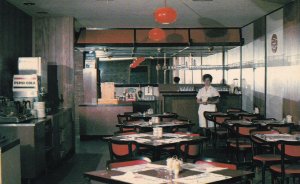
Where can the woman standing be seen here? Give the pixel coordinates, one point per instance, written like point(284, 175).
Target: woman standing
point(207, 97)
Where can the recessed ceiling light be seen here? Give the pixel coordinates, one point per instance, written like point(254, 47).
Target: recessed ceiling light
point(42, 13)
point(29, 3)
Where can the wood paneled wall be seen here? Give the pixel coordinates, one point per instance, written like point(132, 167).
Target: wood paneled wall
point(15, 41)
point(54, 41)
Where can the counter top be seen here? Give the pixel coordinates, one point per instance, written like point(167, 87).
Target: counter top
point(105, 105)
point(8, 144)
point(31, 122)
point(185, 92)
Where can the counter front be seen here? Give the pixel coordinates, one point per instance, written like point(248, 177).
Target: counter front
point(99, 119)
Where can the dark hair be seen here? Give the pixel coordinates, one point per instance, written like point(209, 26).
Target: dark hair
point(176, 79)
point(207, 76)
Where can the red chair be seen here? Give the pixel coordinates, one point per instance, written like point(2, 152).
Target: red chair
point(282, 128)
point(235, 110)
point(242, 141)
point(289, 163)
point(127, 162)
point(191, 149)
point(121, 149)
point(262, 153)
point(217, 164)
point(170, 118)
point(249, 117)
point(219, 131)
point(122, 120)
point(141, 150)
point(295, 132)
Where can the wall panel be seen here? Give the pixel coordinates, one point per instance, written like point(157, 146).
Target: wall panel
point(247, 68)
point(15, 41)
point(54, 41)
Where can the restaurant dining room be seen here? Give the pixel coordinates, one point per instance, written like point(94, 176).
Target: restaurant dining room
point(150, 91)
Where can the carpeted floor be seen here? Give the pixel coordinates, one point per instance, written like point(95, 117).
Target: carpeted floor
point(70, 172)
point(93, 154)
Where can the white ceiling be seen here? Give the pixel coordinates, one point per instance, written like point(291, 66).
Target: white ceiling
point(138, 13)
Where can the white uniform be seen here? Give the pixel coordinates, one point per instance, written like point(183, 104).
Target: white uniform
point(210, 92)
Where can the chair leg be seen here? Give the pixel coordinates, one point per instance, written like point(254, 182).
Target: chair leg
point(237, 156)
point(263, 174)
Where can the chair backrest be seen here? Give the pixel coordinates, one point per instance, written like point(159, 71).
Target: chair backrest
point(289, 149)
point(128, 126)
point(122, 118)
point(190, 149)
point(234, 110)
point(282, 128)
point(255, 132)
point(127, 162)
point(243, 130)
point(170, 117)
point(126, 133)
point(220, 119)
point(218, 164)
point(249, 117)
point(257, 143)
point(207, 116)
point(121, 149)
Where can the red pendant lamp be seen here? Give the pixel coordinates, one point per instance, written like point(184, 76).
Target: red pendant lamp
point(165, 15)
point(156, 34)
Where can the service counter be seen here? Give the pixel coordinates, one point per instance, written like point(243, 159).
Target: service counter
point(185, 105)
point(10, 167)
point(100, 119)
point(43, 142)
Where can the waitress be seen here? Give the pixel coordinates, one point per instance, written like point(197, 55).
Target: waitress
point(207, 97)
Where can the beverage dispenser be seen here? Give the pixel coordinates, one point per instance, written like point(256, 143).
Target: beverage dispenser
point(30, 85)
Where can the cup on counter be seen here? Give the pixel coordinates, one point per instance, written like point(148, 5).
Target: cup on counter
point(40, 108)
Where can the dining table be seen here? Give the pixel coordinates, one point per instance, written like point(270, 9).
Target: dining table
point(275, 138)
point(147, 116)
point(159, 173)
point(261, 122)
point(148, 125)
point(155, 143)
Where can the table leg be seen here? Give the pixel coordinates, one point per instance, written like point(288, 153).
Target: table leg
point(156, 154)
